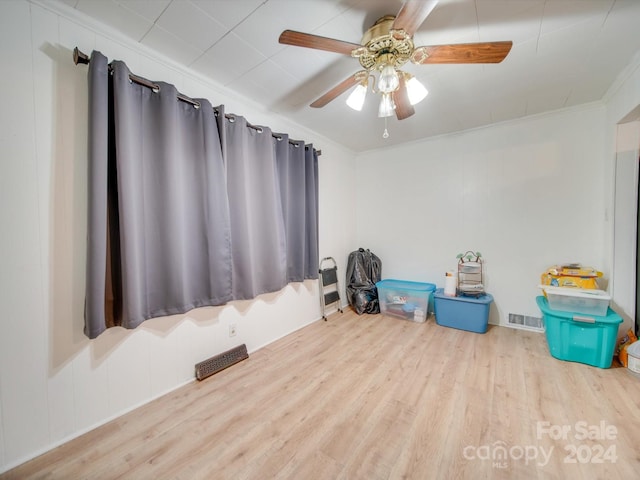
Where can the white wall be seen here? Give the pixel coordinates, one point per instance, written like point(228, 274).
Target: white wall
point(527, 194)
point(54, 382)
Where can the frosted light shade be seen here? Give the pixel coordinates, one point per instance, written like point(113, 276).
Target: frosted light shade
point(389, 80)
point(387, 106)
point(356, 99)
point(416, 91)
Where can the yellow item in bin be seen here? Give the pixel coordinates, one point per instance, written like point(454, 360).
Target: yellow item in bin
point(572, 275)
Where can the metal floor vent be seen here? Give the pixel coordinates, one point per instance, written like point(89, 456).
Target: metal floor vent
point(526, 322)
point(215, 364)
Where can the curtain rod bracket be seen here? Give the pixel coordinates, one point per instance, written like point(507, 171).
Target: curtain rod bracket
point(79, 57)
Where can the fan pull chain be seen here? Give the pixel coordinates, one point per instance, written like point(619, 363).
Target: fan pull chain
point(386, 132)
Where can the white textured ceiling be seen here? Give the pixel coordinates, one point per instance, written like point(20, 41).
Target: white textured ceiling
point(565, 53)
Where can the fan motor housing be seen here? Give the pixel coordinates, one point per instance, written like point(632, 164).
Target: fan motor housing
point(379, 29)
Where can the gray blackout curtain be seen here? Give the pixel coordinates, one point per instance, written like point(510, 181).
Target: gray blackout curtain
point(298, 177)
point(188, 206)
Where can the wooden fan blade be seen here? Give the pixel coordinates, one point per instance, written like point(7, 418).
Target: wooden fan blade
point(308, 40)
point(412, 14)
point(404, 109)
point(487, 52)
point(337, 90)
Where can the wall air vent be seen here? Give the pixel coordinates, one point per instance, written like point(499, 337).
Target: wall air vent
point(526, 322)
point(215, 364)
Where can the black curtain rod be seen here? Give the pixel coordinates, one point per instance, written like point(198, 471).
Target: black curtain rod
point(83, 58)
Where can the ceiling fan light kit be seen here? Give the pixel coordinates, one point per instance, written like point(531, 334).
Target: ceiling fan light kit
point(356, 99)
point(387, 106)
point(389, 80)
point(384, 48)
point(415, 90)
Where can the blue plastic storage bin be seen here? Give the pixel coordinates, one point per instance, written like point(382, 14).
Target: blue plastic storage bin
point(463, 312)
point(576, 337)
point(405, 299)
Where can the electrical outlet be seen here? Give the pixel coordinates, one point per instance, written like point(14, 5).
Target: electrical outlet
point(232, 330)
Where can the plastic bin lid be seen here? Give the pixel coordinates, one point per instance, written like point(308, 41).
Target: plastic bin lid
point(589, 293)
point(406, 285)
point(484, 298)
point(611, 317)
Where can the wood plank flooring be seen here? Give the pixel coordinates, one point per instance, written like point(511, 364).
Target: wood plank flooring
point(373, 397)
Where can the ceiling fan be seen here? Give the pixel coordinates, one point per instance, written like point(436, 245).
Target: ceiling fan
point(384, 48)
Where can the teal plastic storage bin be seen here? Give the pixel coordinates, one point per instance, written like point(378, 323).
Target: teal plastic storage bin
point(576, 337)
point(405, 299)
point(463, 312)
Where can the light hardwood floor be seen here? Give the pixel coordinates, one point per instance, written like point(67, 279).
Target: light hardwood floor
point(373, 397)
